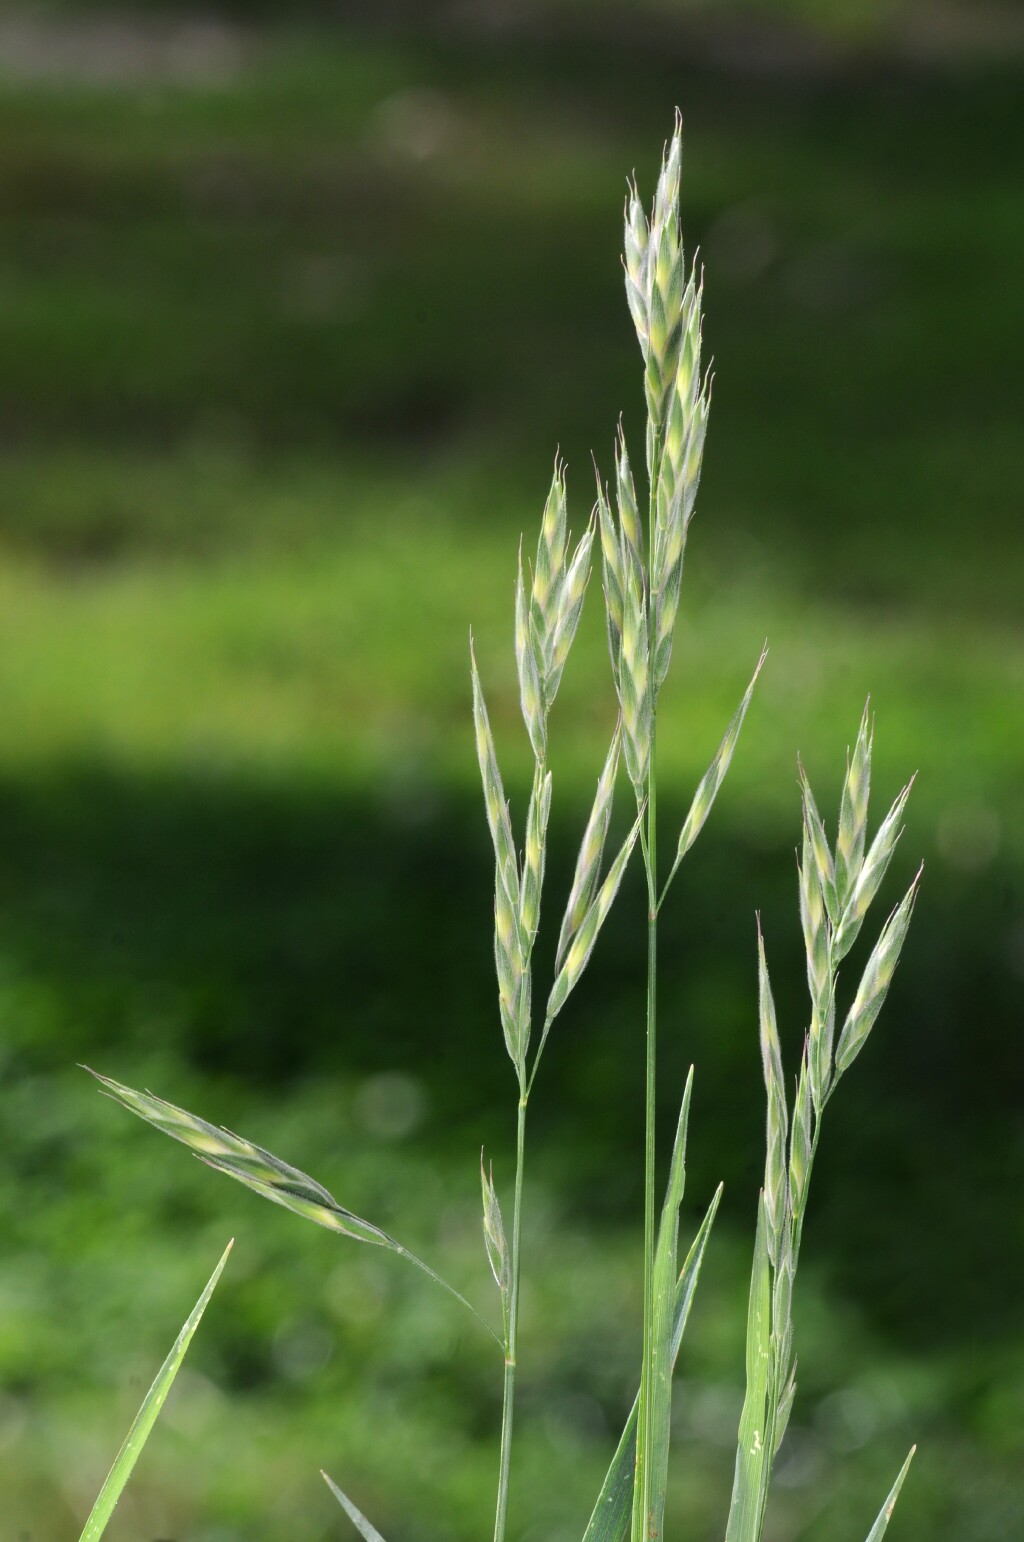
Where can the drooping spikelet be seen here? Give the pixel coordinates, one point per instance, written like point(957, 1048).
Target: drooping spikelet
point(250, 1164)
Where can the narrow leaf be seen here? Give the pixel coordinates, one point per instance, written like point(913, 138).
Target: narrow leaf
point(611, 1516)
point(366, 1531)
point(649, 1499)
point(146, 1417)
point(878, 1530)
point(751, 1454)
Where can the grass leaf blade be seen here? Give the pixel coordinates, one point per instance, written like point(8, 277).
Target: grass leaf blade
point(744, 1523)
point(367, 1531)
point(878, 1530)
point(147, 1415)
point(609, 1521)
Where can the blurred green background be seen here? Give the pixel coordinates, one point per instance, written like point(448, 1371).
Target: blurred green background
point(295, 307)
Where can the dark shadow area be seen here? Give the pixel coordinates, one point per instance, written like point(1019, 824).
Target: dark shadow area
point(280, 937)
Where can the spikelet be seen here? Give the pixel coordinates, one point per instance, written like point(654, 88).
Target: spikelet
point(613, 580)
point(550, 567)
point(529, 663)
point(588, 863)
point(629, 515)
point(714, 776)
point(494, 1230)
point(635, 681)
point(875, 981)
point(510, 951)
point(567, 615)
point(819, 847)
point(582, 944)
point(853, 811)
point(814, 922)
point(257, 1168)
point(871, 874)
point(800, 1142)
point(533, 859)
point(636, 238)
point(776, 1191)
point(664, 285)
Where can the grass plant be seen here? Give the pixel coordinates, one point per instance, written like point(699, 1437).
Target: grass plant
point(641, 532)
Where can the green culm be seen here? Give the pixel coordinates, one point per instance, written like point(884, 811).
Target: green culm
point(642, 567)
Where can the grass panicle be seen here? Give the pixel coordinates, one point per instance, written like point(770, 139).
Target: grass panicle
point(642, 558)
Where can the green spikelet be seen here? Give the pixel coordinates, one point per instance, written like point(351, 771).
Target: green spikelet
point(582, 944)
point(853, 811)
point(664, 273)
point(714, 776)
point(533, 859)
point(875, 981)
point(872, 872)
point(775, 1195)
point(588, 863)
point(800, 1143)
point(635, 682)
point(629, 516)
point(550, 566)
point(819, 847)
point(813, 919)
point(494, 1230)
point(529, 663)
point(613, 580)
point(567, 615)
point(636, 236)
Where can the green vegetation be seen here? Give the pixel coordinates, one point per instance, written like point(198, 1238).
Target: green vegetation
point(280, 358)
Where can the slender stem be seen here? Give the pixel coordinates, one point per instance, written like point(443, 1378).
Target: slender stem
point(511, 1332)
point(642, 1490)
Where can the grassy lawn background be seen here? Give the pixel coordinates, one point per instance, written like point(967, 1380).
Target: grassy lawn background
point(284, 358)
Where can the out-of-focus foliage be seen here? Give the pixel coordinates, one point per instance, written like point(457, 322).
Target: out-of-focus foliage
point(289, 330)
